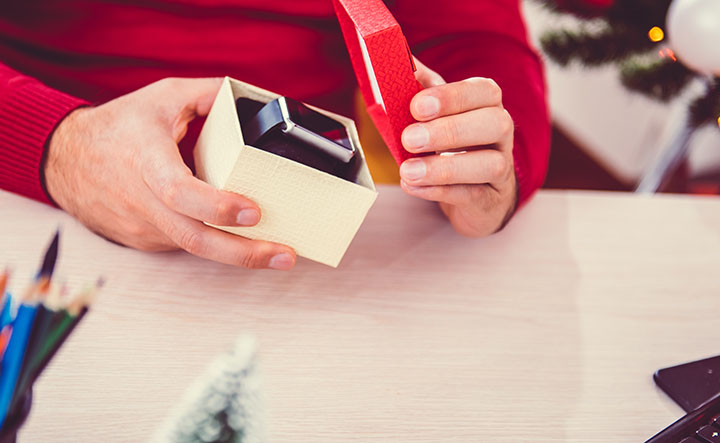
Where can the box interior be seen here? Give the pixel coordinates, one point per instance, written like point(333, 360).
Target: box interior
point(298, 150)
point(361, 174)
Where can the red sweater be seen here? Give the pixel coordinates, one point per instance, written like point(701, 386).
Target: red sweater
point(56, 55)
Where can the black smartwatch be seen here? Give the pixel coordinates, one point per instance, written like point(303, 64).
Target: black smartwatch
point(290, 129)
point(300, 123)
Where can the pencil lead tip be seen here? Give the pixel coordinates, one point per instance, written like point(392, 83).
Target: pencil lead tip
point(48, 265)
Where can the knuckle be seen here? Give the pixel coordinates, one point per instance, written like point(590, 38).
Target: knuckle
point(169, 82)
point(493, 90)
point(221, 212)
point(145, 238)
point(456, 96)
point(451, 132)
point(476, 83)
point(499, 169)
point(505, 123)
point(170, 192)
point(251, 259)
point(192, 241)
point(438, 193)
point(442, 172)
point(135, 230)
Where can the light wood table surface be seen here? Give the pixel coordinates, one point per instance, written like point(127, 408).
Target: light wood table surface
point(547, 332)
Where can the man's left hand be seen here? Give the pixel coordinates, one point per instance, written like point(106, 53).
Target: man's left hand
point(470, 135)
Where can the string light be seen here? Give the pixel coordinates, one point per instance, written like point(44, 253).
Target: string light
point(718, 121)
point(667, 53)
point(656, 34)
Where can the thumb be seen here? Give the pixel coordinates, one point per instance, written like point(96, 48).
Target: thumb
point(426, 76)
point(186, 98)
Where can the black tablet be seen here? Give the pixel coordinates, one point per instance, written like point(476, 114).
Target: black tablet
point(691, 384)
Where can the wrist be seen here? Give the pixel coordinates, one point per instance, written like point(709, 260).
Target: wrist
point(56, 148)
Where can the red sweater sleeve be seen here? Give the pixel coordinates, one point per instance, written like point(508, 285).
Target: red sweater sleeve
point(487, 38)
point(29, 112)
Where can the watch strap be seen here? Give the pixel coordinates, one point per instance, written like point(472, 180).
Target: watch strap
point(268, 118)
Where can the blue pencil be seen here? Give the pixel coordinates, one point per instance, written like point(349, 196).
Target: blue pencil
point(13, 357)
point(6, 315)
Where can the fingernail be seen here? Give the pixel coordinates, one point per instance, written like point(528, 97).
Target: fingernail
point(413, 169)
point(415, 136)
point(281, 262)
point(427, 106)
point(248, 217)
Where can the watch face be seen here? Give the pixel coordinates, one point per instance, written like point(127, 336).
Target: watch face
point(320, 124)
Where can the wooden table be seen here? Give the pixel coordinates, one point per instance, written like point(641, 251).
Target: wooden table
point(549, 331)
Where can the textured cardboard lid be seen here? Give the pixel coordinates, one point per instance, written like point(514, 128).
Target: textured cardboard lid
point(383, 66)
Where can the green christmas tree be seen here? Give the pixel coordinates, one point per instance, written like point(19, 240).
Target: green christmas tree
point(629, 33)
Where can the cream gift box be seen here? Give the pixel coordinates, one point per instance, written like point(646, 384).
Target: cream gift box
point(315, 213)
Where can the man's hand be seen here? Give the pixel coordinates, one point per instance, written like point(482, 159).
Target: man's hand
point(117, 168)
point(471, 172)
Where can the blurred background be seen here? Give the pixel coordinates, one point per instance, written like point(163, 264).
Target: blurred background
point(634, 92)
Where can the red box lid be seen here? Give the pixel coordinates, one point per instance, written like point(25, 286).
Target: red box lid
point(383, 66)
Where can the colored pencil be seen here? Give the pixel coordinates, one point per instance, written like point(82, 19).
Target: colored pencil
point(56, 297)
point(6, 314)
point(3, 282)
point(13, 357)
point(32, 333)
point(4, 339)
point(55, 341)
point(62, 325)
point(48, 264)
point(38, 335)
point(6, 300)
point(25, 331)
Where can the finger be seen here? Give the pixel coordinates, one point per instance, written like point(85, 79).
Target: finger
point(214, 244)
point(483, 126)
point(426, 76)
point(459, 195)
point(471, 167)
point(455, 98)
point(171, 182)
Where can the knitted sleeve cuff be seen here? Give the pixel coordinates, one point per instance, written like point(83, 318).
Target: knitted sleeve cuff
point(29, 113)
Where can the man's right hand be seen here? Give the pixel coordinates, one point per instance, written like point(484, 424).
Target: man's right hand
point(117, 168)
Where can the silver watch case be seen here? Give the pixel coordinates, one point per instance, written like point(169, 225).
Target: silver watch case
point(329, 147)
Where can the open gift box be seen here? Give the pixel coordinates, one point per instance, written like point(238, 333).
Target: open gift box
point(311, 211)
point(315, 213)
